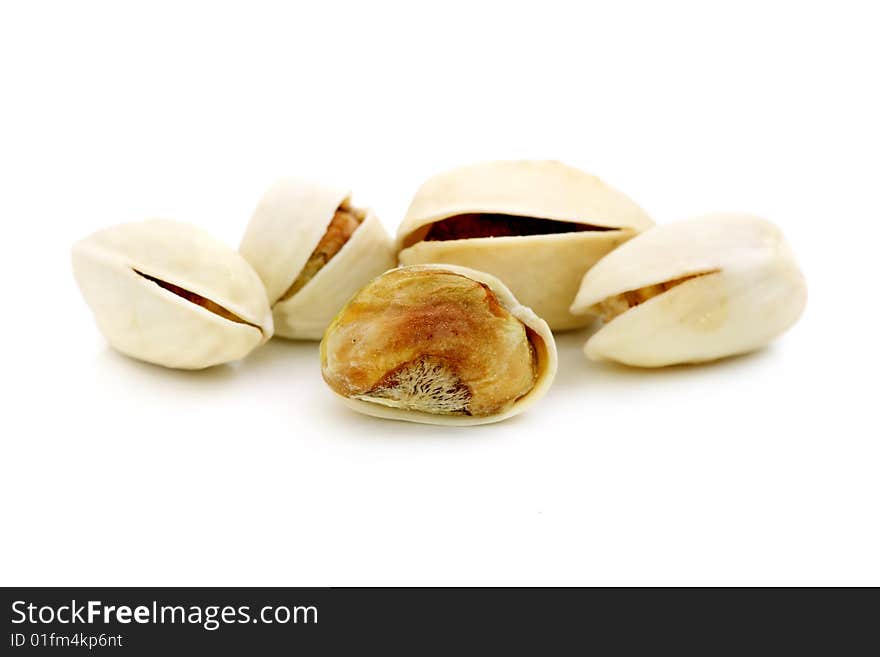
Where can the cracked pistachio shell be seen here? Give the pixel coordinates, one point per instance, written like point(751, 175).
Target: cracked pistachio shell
point(543, 271)
point(466, 325)
point(746, 290)
point(169, 293)
point(287, 225)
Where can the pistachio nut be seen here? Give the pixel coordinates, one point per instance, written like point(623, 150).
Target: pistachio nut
point(438, 344)
point(313, 250)
point(692, 291)
point(169, 293)
point(536, 225)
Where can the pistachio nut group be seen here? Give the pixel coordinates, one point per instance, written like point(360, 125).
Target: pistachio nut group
point(693, 291)
point(313, 250)
point(438, 344)
point(168, 293)
point(452, 323)
point(536, 225)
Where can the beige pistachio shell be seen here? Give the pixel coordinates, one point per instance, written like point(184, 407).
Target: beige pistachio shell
point(286, 226)
point(544, 189)
point(735, 286)
point(356, 350)
point(543, 271)
point(169, 293)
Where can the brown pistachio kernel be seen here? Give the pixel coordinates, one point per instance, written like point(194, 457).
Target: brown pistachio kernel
point(432, 341)
point(345, 221)
point(611, 307)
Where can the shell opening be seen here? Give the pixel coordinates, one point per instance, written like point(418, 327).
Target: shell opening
point(618, 304)
point(476, 225)
point(197, 299)
point(342, 226)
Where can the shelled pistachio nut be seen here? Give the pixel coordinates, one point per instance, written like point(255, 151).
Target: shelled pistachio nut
point(536, 225)
point(313, 250)
point(438, 344)
point(692, 291)
point(168, 293)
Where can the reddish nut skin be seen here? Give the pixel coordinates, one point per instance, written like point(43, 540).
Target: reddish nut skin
point(429, 340)
point(478, 225)
point(618, 304)
point(341, 228)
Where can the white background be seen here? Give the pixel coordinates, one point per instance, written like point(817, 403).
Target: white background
point(759, 470)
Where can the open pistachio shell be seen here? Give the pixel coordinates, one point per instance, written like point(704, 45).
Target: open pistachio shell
point(169, 293)
point(536, 225)
point(438, 344)
point(692, 291)
point(313, 250)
